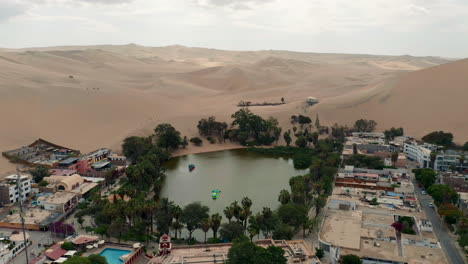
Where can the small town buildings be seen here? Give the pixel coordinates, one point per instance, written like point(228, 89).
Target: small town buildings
point(353, 226)
point(40, 152)
point(35, 218)
point(9, 192)
point(61, 202)
point(369, 137)
point(12, 245)
point(296, 251)
point(451, 160)
point(419, 152)
point(463, 202)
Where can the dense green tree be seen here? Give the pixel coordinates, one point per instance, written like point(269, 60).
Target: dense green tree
point(450, 212)
point(301, 142)
point(67, 246)
point(210, 127)
point(231, 231)
point(363, 125)
point(465, 146)
point(117, 228)
point(293, 214)
point(439, 138)
point(215, 224)
point(442, 193)
point(303, 120)
point(167, 136)
point(135, 147)
point(244, 251)
point(97, 259)
point(39, 173)
point(365, 161)
point(101, 230)
point(319, 253)
point(425, 176)
point(350, 259)
point(287, 137)
point(196, 141)
point(283, 231)
point(192, 216)
point(393, 132)
point(164, 215)
point(284, 196)
point(248, 126)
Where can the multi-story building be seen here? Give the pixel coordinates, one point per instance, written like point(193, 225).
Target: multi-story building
point(450, 159)
point(9, 192)
point(12, 246)
point(419, 152)
point(61, 202)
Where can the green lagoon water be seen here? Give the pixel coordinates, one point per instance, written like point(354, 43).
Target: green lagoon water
point(236, 173)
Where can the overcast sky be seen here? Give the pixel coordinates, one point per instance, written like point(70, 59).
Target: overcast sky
point(394, 27)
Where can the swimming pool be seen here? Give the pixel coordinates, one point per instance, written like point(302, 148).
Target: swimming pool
point(113, 255)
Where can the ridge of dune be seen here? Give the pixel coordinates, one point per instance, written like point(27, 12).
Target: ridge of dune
point(87, 97)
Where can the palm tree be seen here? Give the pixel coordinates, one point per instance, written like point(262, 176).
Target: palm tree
point(215, 224)
point(205, 226)
point(284, 196)
point(229, 213)
point(244, 216)
point(236, 209)
point(176, 212)
point(253, 231)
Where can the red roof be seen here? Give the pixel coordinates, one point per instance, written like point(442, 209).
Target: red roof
point(83, 240)
point(55, 252)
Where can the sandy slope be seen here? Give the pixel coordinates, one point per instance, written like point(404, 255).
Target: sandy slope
point(91, 97)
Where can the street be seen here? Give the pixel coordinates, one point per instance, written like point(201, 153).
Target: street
point(37, 237)
point(443, 234)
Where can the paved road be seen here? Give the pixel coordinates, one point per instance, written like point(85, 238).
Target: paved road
point(441, 231)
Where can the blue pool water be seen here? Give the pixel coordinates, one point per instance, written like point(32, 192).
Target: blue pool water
point(113, 255)
point(34, 203)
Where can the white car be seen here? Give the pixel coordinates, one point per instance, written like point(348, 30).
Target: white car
point(431, 205)
point(423, 192)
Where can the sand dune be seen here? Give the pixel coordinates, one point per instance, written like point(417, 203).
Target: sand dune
point(90, 97)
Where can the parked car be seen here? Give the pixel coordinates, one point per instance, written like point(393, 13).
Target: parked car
point(423, 192)
point(431, 205)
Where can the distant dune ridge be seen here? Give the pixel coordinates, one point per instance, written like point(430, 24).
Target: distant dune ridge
point(87, 97)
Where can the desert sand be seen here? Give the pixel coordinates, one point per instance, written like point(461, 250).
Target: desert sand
point(87, 97)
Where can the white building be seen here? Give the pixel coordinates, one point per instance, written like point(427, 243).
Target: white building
point(13, 247)
point(451, 159)
point(9, 192)
point(421, 153)
point(62, 202)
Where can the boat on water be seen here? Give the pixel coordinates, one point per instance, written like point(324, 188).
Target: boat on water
point(191, 167)
point(215, 194)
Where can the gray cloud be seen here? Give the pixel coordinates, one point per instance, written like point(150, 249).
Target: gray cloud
point(107, 2)
point(235, 4)
point(11, 9)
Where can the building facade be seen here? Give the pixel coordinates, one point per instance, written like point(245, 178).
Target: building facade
point(451, 160)
point(421, 153)
point(9, 192)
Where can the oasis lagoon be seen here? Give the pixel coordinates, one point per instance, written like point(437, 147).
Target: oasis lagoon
point(236, 173)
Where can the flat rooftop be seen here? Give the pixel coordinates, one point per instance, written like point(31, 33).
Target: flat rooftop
point(32, 216)
point(59, 198)
point(342, 228)
point(217, 253)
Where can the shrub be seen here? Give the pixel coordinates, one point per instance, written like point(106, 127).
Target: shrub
point(319, 253)
point(196, 141)
point(67, 246)
point(211, 140)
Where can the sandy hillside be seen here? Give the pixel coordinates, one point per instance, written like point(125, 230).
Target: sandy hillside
point(91, 97)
